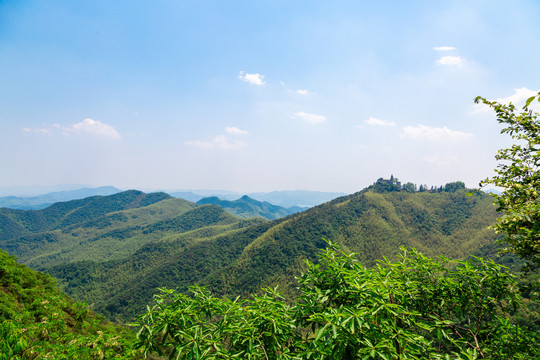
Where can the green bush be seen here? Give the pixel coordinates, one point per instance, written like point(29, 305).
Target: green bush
point(415, 308)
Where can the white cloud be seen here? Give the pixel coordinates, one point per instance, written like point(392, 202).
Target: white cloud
point(95, 127)
point(452, 160)
point(451, 60)
point(255, 79)
point(36, 130)
point(378, 122)
point(433, 133)
point(311, 118)
point(302, 92)
point(235, 131)
point(518, 99)
point(480, 108)
point(218, 142)
point(87, 126)
point(444, 48)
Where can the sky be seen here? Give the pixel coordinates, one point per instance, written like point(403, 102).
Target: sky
point(258, 95)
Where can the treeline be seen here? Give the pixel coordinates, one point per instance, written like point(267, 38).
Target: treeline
point(393, 184)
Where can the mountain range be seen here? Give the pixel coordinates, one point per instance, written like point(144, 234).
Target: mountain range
point(298, 200)
point(45, 200)
point(246, 207)
point(113, 252)
point(285, 198)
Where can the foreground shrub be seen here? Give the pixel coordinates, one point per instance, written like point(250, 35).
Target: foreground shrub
point(415, 308)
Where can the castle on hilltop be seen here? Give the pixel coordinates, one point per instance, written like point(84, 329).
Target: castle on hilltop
point(392, 182)
point(387, 185)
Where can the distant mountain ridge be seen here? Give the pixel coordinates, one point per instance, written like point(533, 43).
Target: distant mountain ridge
point(296, 200)
point(42, 201)
point(246, 207)
point(286, 198)
point(301, 198)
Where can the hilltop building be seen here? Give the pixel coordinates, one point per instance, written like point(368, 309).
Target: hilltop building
point(386, 185)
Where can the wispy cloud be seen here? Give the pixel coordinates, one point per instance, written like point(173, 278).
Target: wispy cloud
point(235, 131)
point(255, 79)
point(433, 133)
point(444, 48)
point(221, 141)
point(218, 142)
point(518, 99)
point(36, 130)
point(95, 127)
point(303, 92)
point(378, 122)
point(451, 60)
point(311, 118)
point(88, 126)
point(452, 160)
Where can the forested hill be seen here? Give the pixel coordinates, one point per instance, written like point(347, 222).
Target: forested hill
point(14, 223)
point(118, 234)
point(247, 207)
point(238, 257)
point(368, 223)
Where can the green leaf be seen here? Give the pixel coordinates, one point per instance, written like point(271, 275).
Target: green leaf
point(530, 100)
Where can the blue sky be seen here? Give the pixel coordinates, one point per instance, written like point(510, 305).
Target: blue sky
point(258, 95)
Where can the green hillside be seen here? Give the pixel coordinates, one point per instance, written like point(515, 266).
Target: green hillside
point(104, 233)
point(123, 288)
point(39, 322)
point(15, 223)
point(237, 257)
point(370, 224)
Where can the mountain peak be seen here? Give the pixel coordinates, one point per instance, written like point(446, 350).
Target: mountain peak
point(247, 198)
